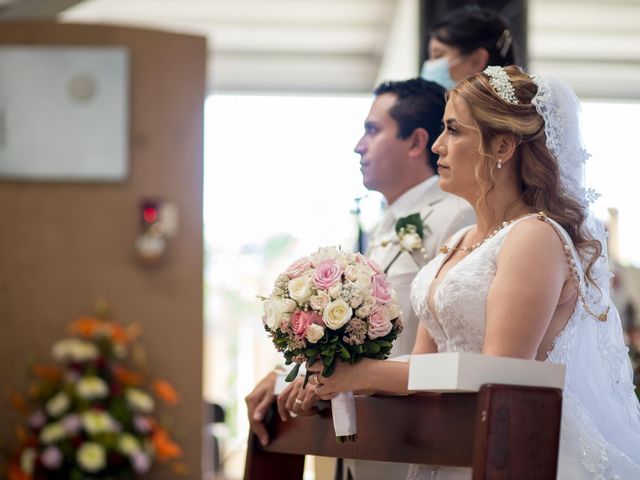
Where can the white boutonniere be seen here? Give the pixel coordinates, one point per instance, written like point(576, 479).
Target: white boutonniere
point(410, 232)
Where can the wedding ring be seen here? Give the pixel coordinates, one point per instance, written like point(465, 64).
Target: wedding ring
point(297, 402)
point(317, 379)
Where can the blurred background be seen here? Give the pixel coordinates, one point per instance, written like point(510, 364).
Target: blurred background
point(270, 173)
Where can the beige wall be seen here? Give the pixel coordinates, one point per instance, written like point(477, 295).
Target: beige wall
point(63, 245)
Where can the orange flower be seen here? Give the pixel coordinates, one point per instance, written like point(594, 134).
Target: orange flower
point(165, 448)
point(127, 377)
point(16, 473)
point(85, 326)
point(47, 372)
point(118, 333)
point(166, 392)
point(19, 403)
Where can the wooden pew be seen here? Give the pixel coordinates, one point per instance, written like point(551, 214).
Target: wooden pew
point(502, 432)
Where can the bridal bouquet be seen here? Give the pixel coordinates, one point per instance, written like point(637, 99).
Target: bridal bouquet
point(332, 306)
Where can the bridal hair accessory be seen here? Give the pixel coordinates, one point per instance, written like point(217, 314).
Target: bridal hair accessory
point(560, 109)
point(504, 42)
point(500, 82)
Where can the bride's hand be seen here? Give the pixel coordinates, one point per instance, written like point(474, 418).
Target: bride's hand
point(345, 378)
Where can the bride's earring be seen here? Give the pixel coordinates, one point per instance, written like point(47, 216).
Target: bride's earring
point(499, 164)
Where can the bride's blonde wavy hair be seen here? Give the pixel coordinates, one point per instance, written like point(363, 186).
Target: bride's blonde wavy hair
point(538, 172)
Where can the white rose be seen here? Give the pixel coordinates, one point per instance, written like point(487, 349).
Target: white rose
point(95, 422)
point(394, 309)
point(411, 241)
point(92, 387)
point(74, 349)
point(27, 460)
point(300, 289)
point(336, 314)
point(275, 310)
point(335, 290)
point(319, 300)
point(57, 404)
point(314, 333)
point(91, 457)
point(139, 401)
point(363, 284)
point(128, 444)
point(52, 433)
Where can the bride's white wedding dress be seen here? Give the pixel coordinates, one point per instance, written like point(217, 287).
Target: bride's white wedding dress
point(600, 433)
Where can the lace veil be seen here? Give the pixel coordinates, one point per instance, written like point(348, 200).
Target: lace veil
point(599, 373)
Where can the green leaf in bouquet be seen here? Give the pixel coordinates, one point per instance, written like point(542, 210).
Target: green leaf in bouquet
point(372, 347)
point(384, 343)
point(334, 339)
point(293, 374)
point(312, 360)
point(328, 369)
point(311, 352)
point(344, 353)
point(328, 360)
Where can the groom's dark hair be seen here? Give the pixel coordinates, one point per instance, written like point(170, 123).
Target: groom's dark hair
point(420, 104)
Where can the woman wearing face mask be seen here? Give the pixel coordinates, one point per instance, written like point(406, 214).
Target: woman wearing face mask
point(464, 42)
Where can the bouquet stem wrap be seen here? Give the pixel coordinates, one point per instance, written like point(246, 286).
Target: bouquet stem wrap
point(343, 410)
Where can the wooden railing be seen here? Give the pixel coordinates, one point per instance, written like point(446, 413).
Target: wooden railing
point(502, 432)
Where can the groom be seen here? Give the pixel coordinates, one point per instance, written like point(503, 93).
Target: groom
point(395, 160)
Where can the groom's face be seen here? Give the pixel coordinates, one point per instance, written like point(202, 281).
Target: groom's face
point(383, 155)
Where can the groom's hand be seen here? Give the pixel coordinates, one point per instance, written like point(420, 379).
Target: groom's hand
point(258, 403)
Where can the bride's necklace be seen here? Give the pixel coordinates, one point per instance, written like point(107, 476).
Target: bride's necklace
point(470, 248)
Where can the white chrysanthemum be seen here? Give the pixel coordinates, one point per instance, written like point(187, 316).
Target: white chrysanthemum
point(57, 405)
point(52, 433)
point(139, 400)
point(27, 460)
point(91, 457)
point(92, 387)
point(95, 422)
point(74, 349)
point(128, 444)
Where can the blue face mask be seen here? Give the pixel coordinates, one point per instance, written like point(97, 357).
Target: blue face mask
point(437, 70)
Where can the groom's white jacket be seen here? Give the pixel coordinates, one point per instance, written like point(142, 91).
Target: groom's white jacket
point(442, 214)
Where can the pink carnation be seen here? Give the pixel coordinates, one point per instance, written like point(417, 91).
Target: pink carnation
point(327, 274)
point(379, 322)
point(382, 290)
point(300, 322)
point(298, 267)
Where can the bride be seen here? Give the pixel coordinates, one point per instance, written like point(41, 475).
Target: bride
point(530, 279)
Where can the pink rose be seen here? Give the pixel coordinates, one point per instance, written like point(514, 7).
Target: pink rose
point(327, 274)
point(298, 267)
point(368, 262)
point(379, 322)
point(300, 322)
point(381, 288)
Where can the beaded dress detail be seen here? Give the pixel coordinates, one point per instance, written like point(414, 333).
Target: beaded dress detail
point(600, 436)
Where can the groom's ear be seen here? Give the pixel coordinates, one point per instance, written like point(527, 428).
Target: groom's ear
point(503, 147)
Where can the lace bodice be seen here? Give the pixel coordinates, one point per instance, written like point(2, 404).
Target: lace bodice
point(459, 297)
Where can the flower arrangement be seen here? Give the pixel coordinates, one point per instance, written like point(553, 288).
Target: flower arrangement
point(332, 305)
point(88, 414)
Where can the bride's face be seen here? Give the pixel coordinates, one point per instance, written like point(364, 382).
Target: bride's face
point(458, 148)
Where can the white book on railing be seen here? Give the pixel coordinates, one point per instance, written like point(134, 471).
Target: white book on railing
point(467, 372)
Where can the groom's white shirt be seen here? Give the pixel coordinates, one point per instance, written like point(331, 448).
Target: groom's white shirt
point(442, 214)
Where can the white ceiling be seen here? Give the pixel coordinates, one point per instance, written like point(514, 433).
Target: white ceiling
point(339, 46)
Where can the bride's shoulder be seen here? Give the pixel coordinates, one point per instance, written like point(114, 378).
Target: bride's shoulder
point(533, 237)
